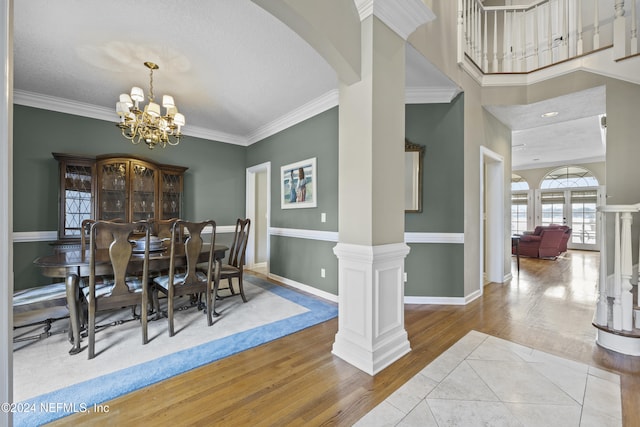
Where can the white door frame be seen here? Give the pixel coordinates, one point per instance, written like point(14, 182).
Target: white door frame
point(492, 191)
point(250, 211)
point(6, 209)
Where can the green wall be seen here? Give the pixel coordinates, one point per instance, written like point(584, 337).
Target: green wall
point(214, 184)
point(215, 188)
point(301, 259)
point(433, 269)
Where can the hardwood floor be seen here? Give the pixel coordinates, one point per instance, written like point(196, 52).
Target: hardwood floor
point(297, 381)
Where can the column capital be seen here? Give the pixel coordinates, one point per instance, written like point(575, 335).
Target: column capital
point(403, 16)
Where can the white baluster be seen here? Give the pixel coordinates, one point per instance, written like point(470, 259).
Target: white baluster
point(514, 53)
point(625, 273)
point(494, 62)
point(565, 28)
point(634, 29)
point(579, 47)
point(523, 41)
point(549, 35)
point(506, 58)
point(485, 45)
point(478, 35)
point(602, 307)
point(536, 59)
point(617, 277)
point(619, 31)
point(596, 26)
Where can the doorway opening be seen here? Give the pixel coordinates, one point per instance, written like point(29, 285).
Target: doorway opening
point(258, 208)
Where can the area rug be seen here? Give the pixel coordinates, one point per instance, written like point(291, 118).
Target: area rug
point(50, 384)
point(487, 381)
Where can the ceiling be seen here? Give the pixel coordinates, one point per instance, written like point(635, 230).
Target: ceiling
point(573, 136)
point(236, 72)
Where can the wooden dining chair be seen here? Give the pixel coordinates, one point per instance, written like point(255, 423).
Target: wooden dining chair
point(235, 266)
point(193, 281)
point(124, 290)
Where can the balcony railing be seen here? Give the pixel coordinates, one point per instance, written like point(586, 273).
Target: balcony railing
point(521, 39)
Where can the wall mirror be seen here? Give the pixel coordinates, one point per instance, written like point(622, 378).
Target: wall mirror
point(413, 158)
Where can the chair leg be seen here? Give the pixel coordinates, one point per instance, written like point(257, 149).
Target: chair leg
point(244, 298)
point(170, 314)
point(92, 328)
point(230, 280)
point(156, 303)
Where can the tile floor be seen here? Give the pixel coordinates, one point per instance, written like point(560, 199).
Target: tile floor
point(487, 381)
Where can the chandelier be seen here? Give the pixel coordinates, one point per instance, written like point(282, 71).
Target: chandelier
point(149, 125)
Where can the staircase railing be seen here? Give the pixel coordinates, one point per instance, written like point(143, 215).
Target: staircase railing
point(520, 39)
point(615, 305)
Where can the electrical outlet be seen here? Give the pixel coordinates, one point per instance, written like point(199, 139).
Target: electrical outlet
point(322, 273)
point(405, 276)
point(323, 217)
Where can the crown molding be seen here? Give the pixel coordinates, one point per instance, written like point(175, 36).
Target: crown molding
point(67, 106)
point(415, 95)
point(430, 95)
point(306, 111)
point(403, 17)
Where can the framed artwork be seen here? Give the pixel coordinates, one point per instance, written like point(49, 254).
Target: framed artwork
point(298, 185)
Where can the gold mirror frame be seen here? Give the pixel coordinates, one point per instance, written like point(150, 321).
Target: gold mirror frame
point(413, 174)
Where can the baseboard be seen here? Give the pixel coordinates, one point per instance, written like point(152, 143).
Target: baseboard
point(306, 288)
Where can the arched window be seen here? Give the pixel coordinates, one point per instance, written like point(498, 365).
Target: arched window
point(519, 204)
point(518, 183)
point(569, 177)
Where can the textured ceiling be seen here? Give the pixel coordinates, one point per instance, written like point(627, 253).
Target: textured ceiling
point(574, 136)
point(233, 69)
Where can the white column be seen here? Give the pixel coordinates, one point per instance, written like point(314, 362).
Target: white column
point(619, 31)
point(617, 276)
point(6, 213)
point(626, 298)
point(371, 248)
point(371, 332)
point(602, 307)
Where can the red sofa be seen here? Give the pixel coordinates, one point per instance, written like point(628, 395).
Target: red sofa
point(545, 242)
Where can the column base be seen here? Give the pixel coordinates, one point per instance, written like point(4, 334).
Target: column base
point(371, 332)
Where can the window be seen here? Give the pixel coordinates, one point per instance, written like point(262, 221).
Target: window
point(569, 177)
point(519, 204)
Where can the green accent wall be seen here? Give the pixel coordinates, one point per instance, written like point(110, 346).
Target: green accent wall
point(435, 269)
point(301, 259)
point(439, 128)
point(316, 137)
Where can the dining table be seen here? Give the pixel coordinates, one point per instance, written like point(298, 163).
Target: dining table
point(73, 266)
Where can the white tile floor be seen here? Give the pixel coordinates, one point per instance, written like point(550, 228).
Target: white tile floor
point(486, 381)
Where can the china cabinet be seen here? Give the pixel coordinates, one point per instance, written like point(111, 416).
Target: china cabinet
point(116, 187)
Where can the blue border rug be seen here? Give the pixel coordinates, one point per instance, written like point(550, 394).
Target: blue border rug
point(83, 396)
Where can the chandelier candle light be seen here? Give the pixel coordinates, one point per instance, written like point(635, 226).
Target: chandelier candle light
point(148, 125)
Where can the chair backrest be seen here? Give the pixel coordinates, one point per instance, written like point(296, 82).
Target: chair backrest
point(102, 241)
point(239, 245)
point(192, 248)
point(163, 228)
point(119, 251)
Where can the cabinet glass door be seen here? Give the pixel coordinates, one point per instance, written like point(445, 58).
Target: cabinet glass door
point(171, 196)
point(113, 192)
point(76, 198)
point(144, 192)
